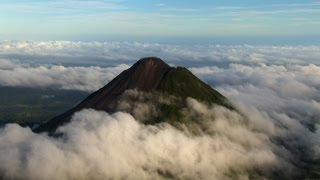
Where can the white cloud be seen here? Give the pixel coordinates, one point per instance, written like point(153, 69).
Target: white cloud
point(57, 76)
point(63, 6)
point(160, 4)
point(6, 64)
point(96, 53)
point(99, 145)
point(26, 63)
point(286, 96)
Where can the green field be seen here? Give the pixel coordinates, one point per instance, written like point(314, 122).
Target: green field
point(28, 106)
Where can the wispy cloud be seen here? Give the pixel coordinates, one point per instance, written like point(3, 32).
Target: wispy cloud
point(62, 6)
point(172, 9)
point(164, 19)
point(160, 4)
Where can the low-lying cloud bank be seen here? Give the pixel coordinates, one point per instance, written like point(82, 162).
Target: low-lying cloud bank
point(101, 53)
point(57, 76)
point(293, 79)
point(97, 145)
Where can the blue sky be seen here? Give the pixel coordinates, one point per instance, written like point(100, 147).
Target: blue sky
point(158, 19)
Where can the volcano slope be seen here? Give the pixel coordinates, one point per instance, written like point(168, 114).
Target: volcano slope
point(150, 90)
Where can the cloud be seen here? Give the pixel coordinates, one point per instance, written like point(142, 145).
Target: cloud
point(286, 96)
point(104, 53)
point(160, 4)
point(142, 105)
point(88, 66)
point(276, 134)
point(100, 145)
point(57, 76)
point(6, 64)
point(276, 88)
point(63, 6)
point(294, 80)
point(180, 9)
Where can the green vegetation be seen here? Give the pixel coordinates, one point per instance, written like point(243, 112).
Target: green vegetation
point(181, 84)
point(27, 106)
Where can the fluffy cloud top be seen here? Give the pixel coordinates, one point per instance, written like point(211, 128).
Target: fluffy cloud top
point(57, 76)
point(99, 145)
point(293, 79)
point(286, 96)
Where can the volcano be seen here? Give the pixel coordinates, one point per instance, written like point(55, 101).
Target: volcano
point(150, 86)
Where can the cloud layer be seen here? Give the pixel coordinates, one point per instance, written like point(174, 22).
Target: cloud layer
point(278, 133)
point(57, 76)
point(99, 145)
point(276, 88)
point(287, 97)
point(104, 53)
